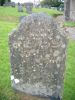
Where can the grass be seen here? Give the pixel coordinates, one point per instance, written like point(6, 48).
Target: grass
point(8, 21)
point(50, 12)
point(69, 84)
point(11, 14)
point(69, 24)
point(5, 89)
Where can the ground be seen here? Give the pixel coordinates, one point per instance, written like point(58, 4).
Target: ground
point(9, 18)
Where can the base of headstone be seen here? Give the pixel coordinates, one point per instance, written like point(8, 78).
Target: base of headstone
point(39, 97)
point(24, 96)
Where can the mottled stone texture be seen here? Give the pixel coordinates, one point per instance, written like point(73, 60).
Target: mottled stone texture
point(38, 51)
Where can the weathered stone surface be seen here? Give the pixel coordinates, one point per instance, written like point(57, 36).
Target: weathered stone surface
point(38, 51)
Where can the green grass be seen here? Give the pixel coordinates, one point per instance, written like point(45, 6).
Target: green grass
point(69, 24)
point(5, 88)
point(69, 87)
point(8, 21)
point(51, 12)
point(12, 15)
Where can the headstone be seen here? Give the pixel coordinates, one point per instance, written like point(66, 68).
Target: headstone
point(13, 4)
point(20, 9)
point(7, 4)
point(38, 52)
point(29, 7)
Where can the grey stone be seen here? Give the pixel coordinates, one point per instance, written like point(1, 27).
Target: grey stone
point(38, 52)
point(20, 8)
point(7, 4)
point(13, 4)
point(69, 10)
point(29, 7)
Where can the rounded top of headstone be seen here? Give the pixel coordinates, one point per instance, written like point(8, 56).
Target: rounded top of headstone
point(40, 20)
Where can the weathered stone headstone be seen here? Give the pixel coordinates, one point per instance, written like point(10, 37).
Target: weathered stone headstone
point(29, 7)
point(38, 51)
point(20, 8)
point(13, 4)
point(7, 4)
